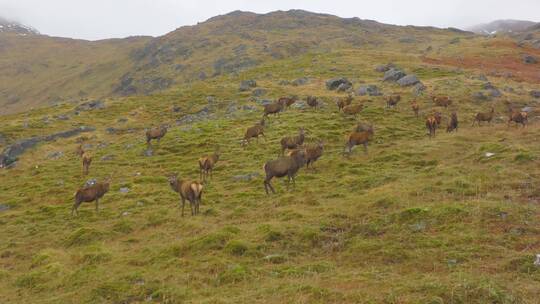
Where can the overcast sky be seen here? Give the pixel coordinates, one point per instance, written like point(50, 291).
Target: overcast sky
point(98, 19)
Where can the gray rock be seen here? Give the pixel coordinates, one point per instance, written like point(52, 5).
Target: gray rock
point(480, 96)
point(122, 120)
point(284, 82)
point(91, 105)
point(300, 81)
point(246, 177)
point(263, 102)
point(344, 87)
point(4, 207)
point(2, 140)
point(55, 155)
point(124, 190)
point(384, 67)
point(111, 130)
point(494, 92)
point(61, 117)
point(258, 92)
point(300, 105)
point(527, 109)
point(334, 83)
point(370, 90)
point(419, 89)
point(530, 59)
point(393, 75)
point(249, 108)
point(535, 94)
point(210, 99)
point(407, 40)
point(176, 109)
point(246, 85)
point(482, 77)
point(203, 114)
point(232, 108)
point(148, 152)
point(408, 80)
point(509, 89)
point(455, 40)
point(488, 86)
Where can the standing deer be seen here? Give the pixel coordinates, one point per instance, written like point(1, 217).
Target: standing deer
point(292, 142)
point(86, 161)
point(359, 138)
point(90, 194)
point(479, 117)
point(432, 123)
point(156, 133)
point(283, 166)
point(207, 163)
point(188, 190)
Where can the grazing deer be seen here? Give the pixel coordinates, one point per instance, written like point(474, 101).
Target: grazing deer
point(392, 100)
point(254, 132)
point(313, 152)
point(432, 123)
point(156, 133)
point(86, 161)
point(79, 151)
point(188, 190)
point(342, 102)
point(286, 102)
point(479, 117)
point(359, 138)
point(292, 142)
point(453, 124)
point(442, 101)
point(312, 101)
point(283, 166)
point(353, 110)
point(273, 108)
point(90, 194)
point(207, 163)
point(518, 118)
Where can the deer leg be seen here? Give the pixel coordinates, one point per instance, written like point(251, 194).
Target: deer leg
point(365, 148)
point(191, 207)
point(183, 204)
point(97, 205)
point(74, 209)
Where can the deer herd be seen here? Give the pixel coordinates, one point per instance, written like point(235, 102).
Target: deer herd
point(299, 155)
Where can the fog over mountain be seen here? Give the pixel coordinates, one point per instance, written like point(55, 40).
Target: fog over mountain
point(106, 19)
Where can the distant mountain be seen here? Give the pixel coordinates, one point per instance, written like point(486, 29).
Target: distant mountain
point(7, 26)
point(503, 26)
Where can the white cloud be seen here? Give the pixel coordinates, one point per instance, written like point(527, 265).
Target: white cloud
point(99, 19)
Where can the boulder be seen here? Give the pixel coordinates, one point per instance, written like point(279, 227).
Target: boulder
point(384, 67)
point(300, 81)
point(529, 59)
point(4, 207)
point(263, 102)
point(334, 83)
point(301, 105)
point(258, 92)
point(494, 92)
point(393, 75)
point(535, 94)
point(107, 157)
point(344, 87)
point(55, 155)
point(91, 105)
point(419, 89)
point(370, 90)
point(408, 80)
point(246, 85)
point(284, 82)
point(480, 96)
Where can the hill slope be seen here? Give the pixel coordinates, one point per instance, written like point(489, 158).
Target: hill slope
point(57, 70)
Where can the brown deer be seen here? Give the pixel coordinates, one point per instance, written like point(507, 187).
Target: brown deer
point(292, 142)
point(287, 101)
point(442, 101)
point(433, 122)
point(342, 102)
point(273, 108)
point(392, 100)
point(353, 110)
point(479, 117)
point(90, 194)
point(518, 118)
point(79, 151)
point(156, 133)
point(188, 190)
point(453, 124)
point(312, 101)
point(415, 107)
point(359, 138)
point(283, 166)
point(254, 132)
point(207, 163)
point(86, 161)
point(313, 152)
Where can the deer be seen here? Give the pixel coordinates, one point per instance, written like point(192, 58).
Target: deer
point(156, 133)
point(518, 118)
point(312, 101)
point(80, 150)
point(207, 163)
point(86, 161)
point(90, 194)
point(453, 124)
point(254, 132)
point(392, 100)
point(313, 152)
point(358, 138)
point(415, 107)
point(342, 102)
point(479, 117)
point(432, 123)
point(353, 109)
point(273, 108)
point(188, 190)
point(283, 166)
point(442, 101)
point(292, 142)
point(287, 101)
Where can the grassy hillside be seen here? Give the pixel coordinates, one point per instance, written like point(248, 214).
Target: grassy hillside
point(417, 220)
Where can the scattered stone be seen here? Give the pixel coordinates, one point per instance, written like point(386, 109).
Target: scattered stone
point(61, 117)
point(102, 145)
point(148, 152)
point(537, 261)
point(452, 262)
point(125, 213)
point(110, 130)
point(55, 155)
point(370, 90)
point(455, 40)
point(91, 105)
point(509, 89)
point(384, 67)
point(122, 120)
point(210, 99)
point(408, 80)
point(232, 108)
point(140, 203)
point(407, 40)
point(300, 81)
point(344, 87)
point(284, 82)
point(393, 75)
point(258, 92)
point(535, 94)
point(4, 207)
point(249, 108)
point(528, 59)
point(275, 258)
point(246, 85)
point(263, 102)
point(124, 190)
point(480, 96)
point(418, 227)
point(334, 83)
point(199, 116)
point(300, 105)
point(108, 157)
point(246, 177)
point(489, 154)
point(176, 109)
point(419, 89)
point(482, 77)
point(527, 109)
